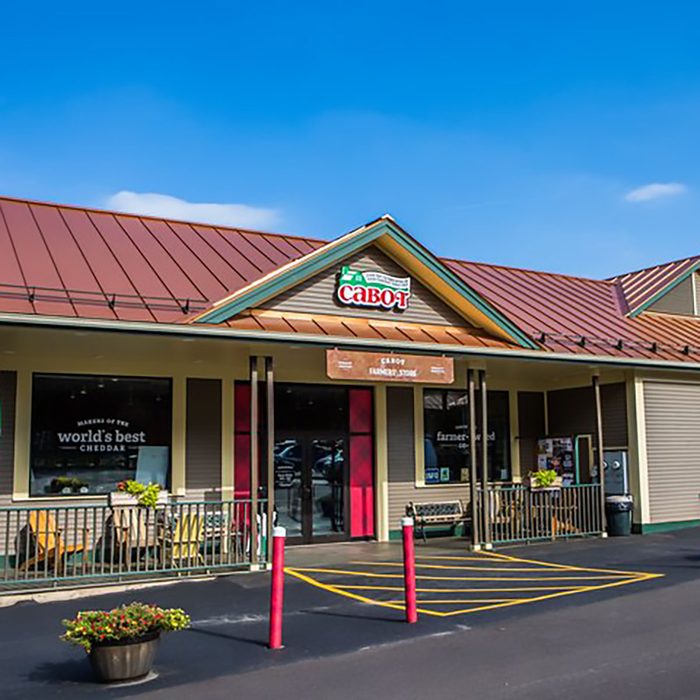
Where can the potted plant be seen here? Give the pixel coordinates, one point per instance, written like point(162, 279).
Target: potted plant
point(135, 493)
point(67, 485)
point(544, 479)
point(121, 643)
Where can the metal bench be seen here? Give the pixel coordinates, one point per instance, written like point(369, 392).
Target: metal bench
point(436, 513)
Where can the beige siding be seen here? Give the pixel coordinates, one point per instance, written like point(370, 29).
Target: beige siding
point(203, 443)
point(317, 295)
point(402, 459)
point(672, 412)
point(696, 290)
point(678, 301)
point(531, 427)
point(572, 412)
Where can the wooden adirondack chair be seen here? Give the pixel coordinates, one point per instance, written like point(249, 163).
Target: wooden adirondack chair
point(48, 547)
point(183, 545)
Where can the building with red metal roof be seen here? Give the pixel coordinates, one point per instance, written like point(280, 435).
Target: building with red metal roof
point(183, 342)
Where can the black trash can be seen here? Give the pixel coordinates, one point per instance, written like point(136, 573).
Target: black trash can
point(618, 512)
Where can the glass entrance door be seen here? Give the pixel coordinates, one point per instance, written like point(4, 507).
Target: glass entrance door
point(310, 484)
point(289, 486)
point(327, 458)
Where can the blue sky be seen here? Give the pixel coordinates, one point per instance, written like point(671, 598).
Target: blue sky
point(560, 136)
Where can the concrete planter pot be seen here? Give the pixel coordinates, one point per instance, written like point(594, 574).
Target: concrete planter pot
point(124, 659)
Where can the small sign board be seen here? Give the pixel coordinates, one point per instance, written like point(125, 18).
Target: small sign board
point(284, 476)
point(432, 475)
point(389, 367)
point(372, 289)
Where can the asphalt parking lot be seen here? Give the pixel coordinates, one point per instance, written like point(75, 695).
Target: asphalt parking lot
point(616, 614)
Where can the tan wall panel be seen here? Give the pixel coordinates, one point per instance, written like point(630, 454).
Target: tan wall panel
point(672, 416)
point(572, 412)
point(317, 295)
point(402, 459)
point(203, 442)
point(678, 301)
point(531, 427)
point(8, 386)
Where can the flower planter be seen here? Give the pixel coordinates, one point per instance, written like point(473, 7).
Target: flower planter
point(124, 659)
point(122, 499)
point(532, 484)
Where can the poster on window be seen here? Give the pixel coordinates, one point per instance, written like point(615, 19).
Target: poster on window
point(90, 433)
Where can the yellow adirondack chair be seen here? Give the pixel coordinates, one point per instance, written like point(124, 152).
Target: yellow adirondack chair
point(48, 547)
point(186, 540)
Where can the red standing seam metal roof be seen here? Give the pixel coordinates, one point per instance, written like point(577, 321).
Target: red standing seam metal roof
point(68, 261)
point(641, 286)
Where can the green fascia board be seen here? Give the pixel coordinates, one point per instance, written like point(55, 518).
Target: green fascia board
point(320, 262)
point(297, 274)
point(663, 292)
point(456, 282)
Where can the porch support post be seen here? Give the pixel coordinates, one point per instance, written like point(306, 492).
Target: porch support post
point(270, 457)
point(600, 446)
point(486, 500)
point(473, 493)
point(254, 462)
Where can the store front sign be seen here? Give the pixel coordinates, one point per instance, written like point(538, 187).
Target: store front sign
point(373, 289)
point(115, 436)
point(389, 367)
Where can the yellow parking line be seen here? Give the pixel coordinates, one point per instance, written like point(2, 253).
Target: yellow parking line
point(427, 556)
point(347, 594)
point(619, 578)
point(529, 569)
point(553, 595)
point(518, 589)
point(566, 566)
point(369, 574)
point(458, 600)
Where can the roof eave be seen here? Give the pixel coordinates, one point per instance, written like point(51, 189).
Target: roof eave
point(207, 331)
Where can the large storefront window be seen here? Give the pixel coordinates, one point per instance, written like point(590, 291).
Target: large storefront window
point(90, 433)
point(446, 426)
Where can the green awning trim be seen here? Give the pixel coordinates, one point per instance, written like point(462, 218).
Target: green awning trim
point(336, 253)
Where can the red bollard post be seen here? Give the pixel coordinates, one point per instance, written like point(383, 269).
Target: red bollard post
point(277, 588)
point(409, 570)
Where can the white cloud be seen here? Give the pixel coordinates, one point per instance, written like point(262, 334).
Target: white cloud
point(150, 203)
point(655, 190)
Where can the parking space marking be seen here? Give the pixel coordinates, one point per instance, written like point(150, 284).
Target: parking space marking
point(481, 592)
point(519, 569)
point(421, 577)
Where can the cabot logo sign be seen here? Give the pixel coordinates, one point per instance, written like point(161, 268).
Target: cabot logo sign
point(373, 289)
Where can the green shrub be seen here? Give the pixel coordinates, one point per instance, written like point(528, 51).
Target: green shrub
point(145, 494)
point(542, 478)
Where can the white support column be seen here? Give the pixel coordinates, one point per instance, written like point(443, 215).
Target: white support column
point(178, 476)
point(382, 460)
point(23, 428)
point(514, 422)
point(638, 466)
point(227, 432)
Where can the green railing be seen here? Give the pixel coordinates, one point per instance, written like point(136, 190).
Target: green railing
point(50, 546)
point(518, 513)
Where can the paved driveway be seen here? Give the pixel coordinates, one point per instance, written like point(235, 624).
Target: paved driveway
point(615, 632)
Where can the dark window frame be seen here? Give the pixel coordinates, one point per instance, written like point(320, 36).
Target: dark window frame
point(460, 449)
point(39, 423)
